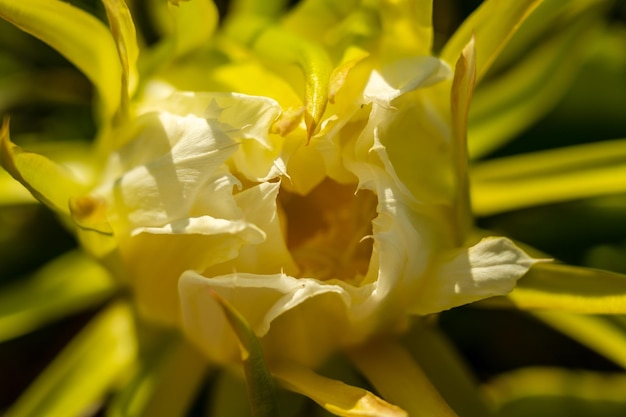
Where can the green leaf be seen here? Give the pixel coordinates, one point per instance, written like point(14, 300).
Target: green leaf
point(165, 384)
point(85, 370)
point(335, 396)
point(446, 369)
point(461, 96)
point(12, 192)
point(261, 389)
point(492, 25)
point(558, 393)
point(49, 182)
point(78, 36)
point(551, 176)
point(123, 30)
point(502, 107)
point(400, 380)
point(64, 286)
point(558, 287)
point(598, 333)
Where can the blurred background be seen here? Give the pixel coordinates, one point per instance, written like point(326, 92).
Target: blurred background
point(48, 100)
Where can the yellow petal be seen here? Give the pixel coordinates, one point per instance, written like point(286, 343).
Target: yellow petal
point(392, 371)
point(277, 307)
point(489, 268)
point(65, 28)
point(335, 396)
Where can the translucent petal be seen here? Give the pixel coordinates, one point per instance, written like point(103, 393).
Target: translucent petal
point(489, 268)
point(262, 300)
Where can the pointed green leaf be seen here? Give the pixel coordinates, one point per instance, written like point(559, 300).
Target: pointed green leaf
point(596, 332)
point(85, 370)
point(446, 369)
point(558, 287)
point(335, 396)
point(78, 36)
point(123, 30)
point(261, 390)
point(563, 174)
point(50, 183)
point(399, 379)
point(12, 192)
point(64, 286)
point(165, 384)
point(506, 105)
point(557, 393)
point(462, 91)
point(492, 24)
point(546, 20)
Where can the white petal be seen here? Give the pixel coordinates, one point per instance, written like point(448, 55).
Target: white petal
point(261, 299)
point(403, 76)
point(489, 268)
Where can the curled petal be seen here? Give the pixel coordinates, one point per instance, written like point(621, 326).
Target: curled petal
point(489, 268)
point(262, 300)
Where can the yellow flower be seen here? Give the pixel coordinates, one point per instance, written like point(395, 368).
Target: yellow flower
point(321, 235)
point(326, 206)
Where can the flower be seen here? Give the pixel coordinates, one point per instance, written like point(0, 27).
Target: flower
point(321, 235)
point(326, 208)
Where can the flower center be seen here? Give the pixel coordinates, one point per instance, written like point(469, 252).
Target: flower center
point(329, 230)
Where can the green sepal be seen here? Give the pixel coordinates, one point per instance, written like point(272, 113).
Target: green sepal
point(261, 387)
point(49, 182)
